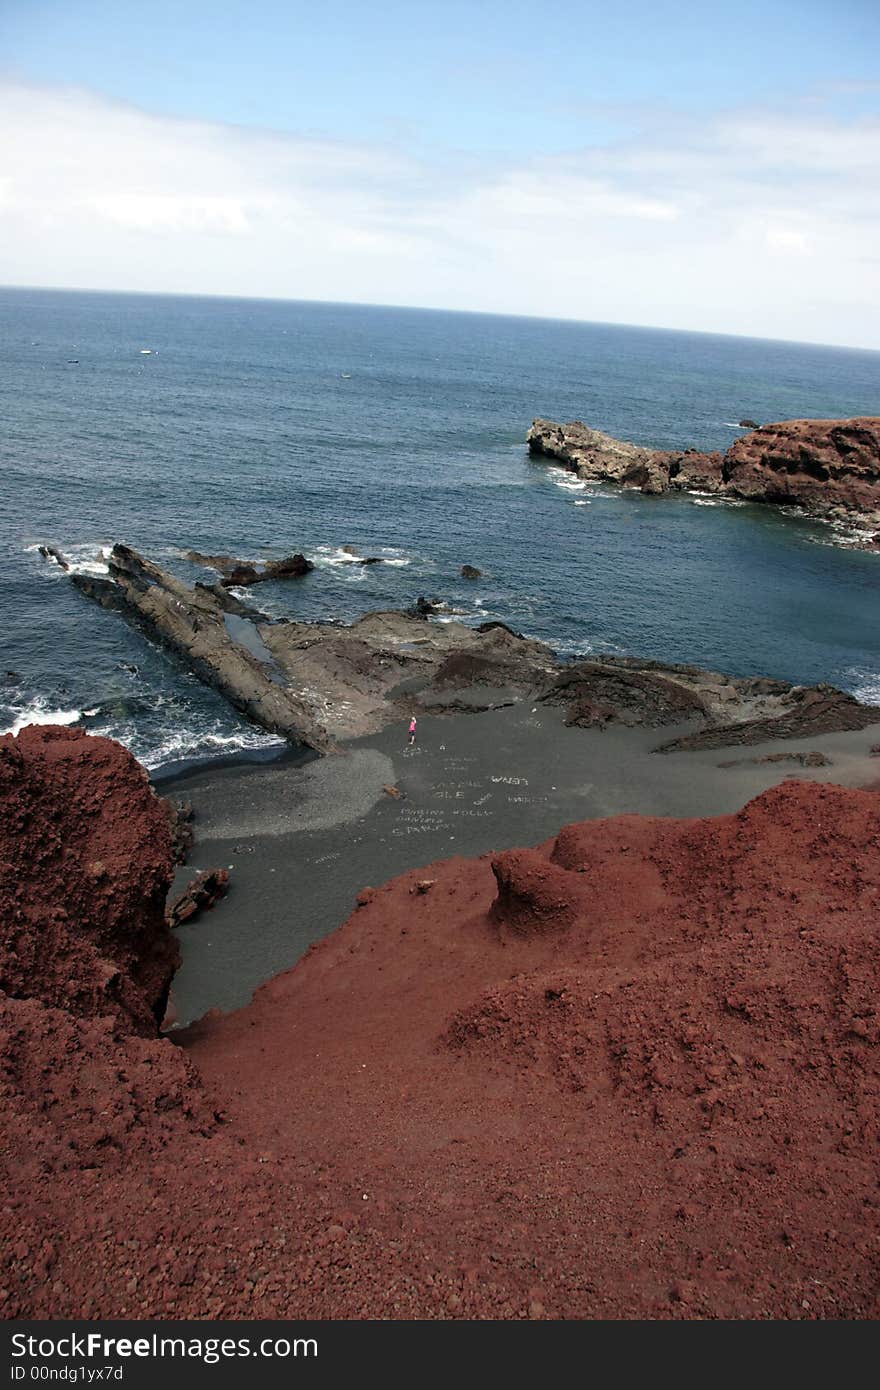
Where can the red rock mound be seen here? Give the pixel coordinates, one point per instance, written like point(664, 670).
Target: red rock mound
point(85, 864)
point(817, 463)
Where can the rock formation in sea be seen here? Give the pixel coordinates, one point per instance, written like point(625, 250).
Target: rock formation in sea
point(829, 467)
point(192, 622)
point(241, 573)
point(631, 1073)
point(319, 683)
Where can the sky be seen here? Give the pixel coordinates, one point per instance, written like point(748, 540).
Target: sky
point(685, 165)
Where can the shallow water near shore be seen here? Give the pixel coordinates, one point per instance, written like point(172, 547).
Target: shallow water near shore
point(258, 428)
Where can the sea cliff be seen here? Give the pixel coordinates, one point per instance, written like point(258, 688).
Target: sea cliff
point(830, 468)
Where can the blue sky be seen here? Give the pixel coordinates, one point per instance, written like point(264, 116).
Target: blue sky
point(454, 153)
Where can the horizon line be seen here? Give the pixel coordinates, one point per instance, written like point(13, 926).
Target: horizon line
point(435, 309)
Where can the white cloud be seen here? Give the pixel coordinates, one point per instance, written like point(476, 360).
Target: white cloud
point(748, 222)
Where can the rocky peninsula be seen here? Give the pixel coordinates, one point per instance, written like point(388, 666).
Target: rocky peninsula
point(320, 683)
point(628, 1073)
point(830, 468)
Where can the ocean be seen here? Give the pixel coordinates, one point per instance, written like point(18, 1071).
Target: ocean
point(258, 428)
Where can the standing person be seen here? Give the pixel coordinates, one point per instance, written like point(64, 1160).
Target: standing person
point(412, 730)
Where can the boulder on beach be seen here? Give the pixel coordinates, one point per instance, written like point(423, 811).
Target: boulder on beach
point(206, 889)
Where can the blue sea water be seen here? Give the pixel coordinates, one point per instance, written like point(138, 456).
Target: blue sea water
point(257, 428)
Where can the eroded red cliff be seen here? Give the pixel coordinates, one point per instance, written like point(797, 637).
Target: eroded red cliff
point(85, 864)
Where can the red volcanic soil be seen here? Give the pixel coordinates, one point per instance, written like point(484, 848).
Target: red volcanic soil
point(634, 1073)
point(85, 865)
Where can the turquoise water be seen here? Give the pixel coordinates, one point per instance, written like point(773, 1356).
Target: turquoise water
point(259, 427)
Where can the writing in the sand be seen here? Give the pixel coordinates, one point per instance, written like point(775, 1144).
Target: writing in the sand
point(419, 820)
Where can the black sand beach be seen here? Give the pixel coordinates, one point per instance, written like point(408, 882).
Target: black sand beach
point(302, 840)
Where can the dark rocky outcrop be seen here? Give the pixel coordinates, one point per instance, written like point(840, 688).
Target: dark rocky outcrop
point(749, 425)
point(206, 889)
point(831, 468)
point(215, 562)
point(242, 573)
point(598, 457)
point(471, 572)
point(181, 816)
point(731, 710)
point(51, 552)
point(803, 712)
point(191, 623)
point(424, 608)
point(316, 683)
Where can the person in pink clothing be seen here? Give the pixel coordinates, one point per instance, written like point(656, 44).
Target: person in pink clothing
point(412, 730)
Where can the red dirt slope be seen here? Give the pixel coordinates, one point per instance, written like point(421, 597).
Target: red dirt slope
point(633, 1074)
point(644, 1083)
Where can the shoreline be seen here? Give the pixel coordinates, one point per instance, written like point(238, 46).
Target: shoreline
point(301, 840)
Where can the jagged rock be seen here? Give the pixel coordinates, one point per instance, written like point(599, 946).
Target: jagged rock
point(215, 562)
point(471, 572)
point(240, 576)
point(180, 821)
point(590, 714)
point(607, 689)
point(815, 464)
point(829, 467)
point(206, 889)
point(241, 573)
point(424, 608)
point(293, 567)
point(804, 712)
point(749, 425)
point(318, 682)
point(191, 623)
point(231, 604)
point(51, 552)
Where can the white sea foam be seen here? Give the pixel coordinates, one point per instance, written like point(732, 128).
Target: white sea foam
point(182, 743)
point(865, 685)
point(186, 744)
point(88, 558)
point(337, 555)
point(37, 712)
point(706, 500)
point(569, 481)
